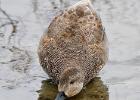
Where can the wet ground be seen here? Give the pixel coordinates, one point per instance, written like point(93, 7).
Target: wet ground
point(22, 22)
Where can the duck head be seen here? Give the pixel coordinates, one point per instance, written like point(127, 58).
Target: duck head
point(71, 83)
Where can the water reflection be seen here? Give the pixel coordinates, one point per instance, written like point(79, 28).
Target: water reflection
point(95, 90)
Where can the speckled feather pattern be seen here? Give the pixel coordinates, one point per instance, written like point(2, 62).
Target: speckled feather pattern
point(75, 38)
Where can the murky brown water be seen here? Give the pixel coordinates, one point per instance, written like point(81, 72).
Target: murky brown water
point(20, 72)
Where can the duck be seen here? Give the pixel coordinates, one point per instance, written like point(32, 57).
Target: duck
point(74, 48)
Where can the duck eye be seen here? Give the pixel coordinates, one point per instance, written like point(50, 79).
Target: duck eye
point(71, 82)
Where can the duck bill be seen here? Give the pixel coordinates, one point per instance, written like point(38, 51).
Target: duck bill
point(60, 96)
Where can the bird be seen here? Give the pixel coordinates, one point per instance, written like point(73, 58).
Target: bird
point(74, 48)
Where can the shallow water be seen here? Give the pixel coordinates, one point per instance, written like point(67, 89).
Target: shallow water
point(20, 72)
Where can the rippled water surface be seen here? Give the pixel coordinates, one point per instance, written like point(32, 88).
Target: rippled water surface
point(20, 72)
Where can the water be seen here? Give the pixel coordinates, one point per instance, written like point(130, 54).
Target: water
point(20, 72)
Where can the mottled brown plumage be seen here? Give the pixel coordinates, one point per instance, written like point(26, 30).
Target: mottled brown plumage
point(74, 44)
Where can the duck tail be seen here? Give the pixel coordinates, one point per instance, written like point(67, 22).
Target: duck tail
point(86, 1)
point(82, 2)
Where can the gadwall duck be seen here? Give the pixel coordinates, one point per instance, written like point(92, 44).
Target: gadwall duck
point(74, 48)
